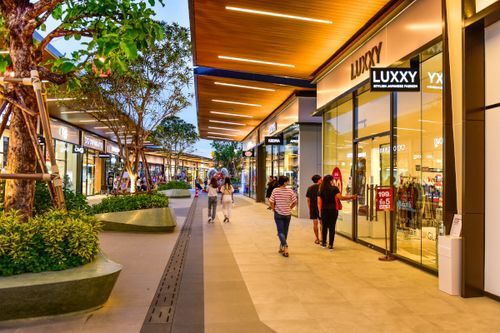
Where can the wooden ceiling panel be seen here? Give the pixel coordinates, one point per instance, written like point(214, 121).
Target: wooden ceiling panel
point(303, 44)
point(213, 89)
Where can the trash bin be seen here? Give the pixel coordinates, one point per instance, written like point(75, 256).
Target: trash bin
point(450, 264)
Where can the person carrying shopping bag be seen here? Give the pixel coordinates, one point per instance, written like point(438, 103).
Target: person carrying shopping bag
point(227, 199)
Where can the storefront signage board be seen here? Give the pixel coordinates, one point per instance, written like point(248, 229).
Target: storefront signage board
point(63, 132)
point(337, 178)
point(102, 155)
point(395, 79)
point(93, 142)
point(384, 199)
point(112, 148)
point(274, 140)
point(78, 149)
point(248, 153)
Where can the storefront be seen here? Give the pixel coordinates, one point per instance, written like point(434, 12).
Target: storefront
point(66, 144)
point(93, 181)
point(286, 144)
point(389, 138)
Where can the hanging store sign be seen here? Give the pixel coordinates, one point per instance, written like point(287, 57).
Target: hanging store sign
point(272, 128)
point(93, 142)
point(248, 153)
point(104, 155)
point(274, 140)
point(78, 149)
point(395, 79)
point(384, 198)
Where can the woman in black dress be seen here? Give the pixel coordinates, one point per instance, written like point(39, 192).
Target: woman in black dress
point(329, 197)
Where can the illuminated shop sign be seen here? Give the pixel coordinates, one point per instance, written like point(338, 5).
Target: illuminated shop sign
point(395, 79)
point(93, 142)
point(435, 80)
point(63, 132)
point(248, 153)
point(274, 140)
point(112, 148)
point(366, 61)
point(78, 149)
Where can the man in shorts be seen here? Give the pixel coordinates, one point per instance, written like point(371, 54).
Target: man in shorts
point(312, 203)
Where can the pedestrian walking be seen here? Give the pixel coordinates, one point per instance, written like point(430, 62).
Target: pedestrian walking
point(213, 190)
point(282, 201)
point(312, 203)
point(329, 197)
point(227, 199)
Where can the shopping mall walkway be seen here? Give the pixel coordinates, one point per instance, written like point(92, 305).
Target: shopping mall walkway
point(232, 279)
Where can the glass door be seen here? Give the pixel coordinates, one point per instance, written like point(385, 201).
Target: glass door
point(373, 170)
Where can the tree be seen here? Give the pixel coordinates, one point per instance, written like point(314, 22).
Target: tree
point(134, 103)
point(227, 154)
point(114, 29)
point(176, 137)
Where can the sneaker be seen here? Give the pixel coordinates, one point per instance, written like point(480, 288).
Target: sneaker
point(323, 245)
point(330, 247)
point(281, 249)
point(209, 220)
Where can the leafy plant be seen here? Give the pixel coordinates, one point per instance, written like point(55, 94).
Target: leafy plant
point(174, 185)
point(124, 203)
point(43, 202)
point(53, 241)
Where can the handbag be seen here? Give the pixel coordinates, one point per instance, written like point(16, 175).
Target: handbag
point(338, 204)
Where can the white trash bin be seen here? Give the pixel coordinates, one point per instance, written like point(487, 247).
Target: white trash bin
point(450, 264)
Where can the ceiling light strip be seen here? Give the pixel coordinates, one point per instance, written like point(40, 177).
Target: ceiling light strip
point(224, 134)
point(224, 129)
point(242, 86)
point(231, 114)
point(219, 138)
point(234, 102)
point(256, 61)
point(226, 122)
point(292, 17)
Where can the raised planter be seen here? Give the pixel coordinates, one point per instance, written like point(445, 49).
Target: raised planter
point(143, 220)
point(177, 193)
point(52, 293)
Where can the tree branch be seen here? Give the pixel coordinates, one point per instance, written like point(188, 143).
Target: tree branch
point(46, 74)
point(43, 6)
point(61, 32)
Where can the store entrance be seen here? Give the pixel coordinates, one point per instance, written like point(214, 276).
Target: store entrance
point(373, 169)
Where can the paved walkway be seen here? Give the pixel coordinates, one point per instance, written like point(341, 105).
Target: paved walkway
point(241, 284)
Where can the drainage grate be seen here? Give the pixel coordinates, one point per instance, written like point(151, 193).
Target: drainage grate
point(161, 311)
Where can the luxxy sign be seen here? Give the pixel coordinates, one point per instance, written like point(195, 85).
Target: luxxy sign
point(395, 79)
point(366, 61)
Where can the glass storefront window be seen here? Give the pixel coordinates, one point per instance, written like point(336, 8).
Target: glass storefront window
point(373, 113)
point(89, 172)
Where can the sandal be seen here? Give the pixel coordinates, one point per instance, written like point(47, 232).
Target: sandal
point(316, 241)
point(281, 249)
point(285, 251)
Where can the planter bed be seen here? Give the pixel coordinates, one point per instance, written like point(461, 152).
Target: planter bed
point(143, 220)
point(58, 292)
point(177, 193)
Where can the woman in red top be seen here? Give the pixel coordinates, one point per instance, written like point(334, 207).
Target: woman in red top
point(328, 196)
point(282, 201)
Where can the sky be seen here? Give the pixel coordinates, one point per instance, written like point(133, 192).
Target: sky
point(174, 11)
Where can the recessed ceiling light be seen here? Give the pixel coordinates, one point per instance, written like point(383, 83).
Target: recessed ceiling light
point(226, 122)
point(256, 61)
point(243, 86)
point(231, 114)
point(219, 138)
point(237, 103)
point(101, 127)
point(225, 134)
point(88, 121)
point(293, 17)
point(224, 129)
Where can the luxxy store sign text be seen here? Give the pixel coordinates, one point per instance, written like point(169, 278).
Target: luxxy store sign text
point(395, 79)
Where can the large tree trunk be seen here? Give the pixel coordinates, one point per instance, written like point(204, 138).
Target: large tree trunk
point(19, 194)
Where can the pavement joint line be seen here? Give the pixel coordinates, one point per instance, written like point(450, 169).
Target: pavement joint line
point(160, 315)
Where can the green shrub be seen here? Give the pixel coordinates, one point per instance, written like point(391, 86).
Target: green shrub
point(124, 203)
point(53, 241)
point(174, 185)
point(43, 202)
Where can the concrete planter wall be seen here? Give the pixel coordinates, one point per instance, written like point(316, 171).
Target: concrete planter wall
point(143, 220)
point(177, 193)
point(52, 293)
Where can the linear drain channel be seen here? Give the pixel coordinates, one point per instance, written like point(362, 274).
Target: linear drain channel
point(161, 312)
